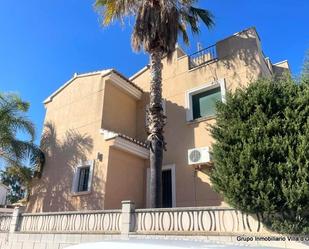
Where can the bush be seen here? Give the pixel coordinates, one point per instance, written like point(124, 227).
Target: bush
point(261, 152)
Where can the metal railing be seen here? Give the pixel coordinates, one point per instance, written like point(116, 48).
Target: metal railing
point(202, 57)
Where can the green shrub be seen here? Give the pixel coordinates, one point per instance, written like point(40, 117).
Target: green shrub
point(261, 152)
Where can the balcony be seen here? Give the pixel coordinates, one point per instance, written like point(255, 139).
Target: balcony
point(202, 57)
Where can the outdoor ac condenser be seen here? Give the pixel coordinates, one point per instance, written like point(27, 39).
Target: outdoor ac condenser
point(199, 156)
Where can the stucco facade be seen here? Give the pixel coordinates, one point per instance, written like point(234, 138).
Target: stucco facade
point(99, 118)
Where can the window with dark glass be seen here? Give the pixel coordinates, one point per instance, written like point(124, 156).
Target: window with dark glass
point(83, 179)
point(204, 103)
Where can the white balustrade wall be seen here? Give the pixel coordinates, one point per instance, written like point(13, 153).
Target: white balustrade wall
point(195, 221)
point(72, 222)
point(5, 222)
point(199, 220)
point(58, 230)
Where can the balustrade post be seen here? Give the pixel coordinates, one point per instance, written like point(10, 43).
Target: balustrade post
point(127, 211)
point(15, 220)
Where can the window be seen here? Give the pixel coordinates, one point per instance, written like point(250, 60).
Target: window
point(204, 103)
point(201, 101)
point(82, 178)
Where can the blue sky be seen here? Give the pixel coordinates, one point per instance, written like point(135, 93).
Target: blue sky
point(43, 43)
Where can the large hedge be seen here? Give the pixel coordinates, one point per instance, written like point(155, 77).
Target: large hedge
point(261, 152)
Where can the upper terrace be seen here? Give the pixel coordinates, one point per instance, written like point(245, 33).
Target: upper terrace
point(219, 51)
point(226, 54)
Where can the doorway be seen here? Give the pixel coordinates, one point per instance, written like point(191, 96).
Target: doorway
point(168, 186)
point(167, 194)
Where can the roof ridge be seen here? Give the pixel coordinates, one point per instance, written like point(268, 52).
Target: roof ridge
point(102, 72)
point(92, 72)
point(75, 76)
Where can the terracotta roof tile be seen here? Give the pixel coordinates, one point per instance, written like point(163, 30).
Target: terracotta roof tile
point(133, 140)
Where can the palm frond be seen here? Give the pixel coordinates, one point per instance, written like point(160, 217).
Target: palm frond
point(205, 15)
point(116, 9)
point(24, 125)
point(23, 173)
point(157, 23)
point(183, 31)
point(14, 101)
point(12, 115)
point(12, 121)
point(190, 20)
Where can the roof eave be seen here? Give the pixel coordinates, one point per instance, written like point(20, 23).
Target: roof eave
point(125, 85)
point(75, 76)
point(122, 81)
point(126, 143)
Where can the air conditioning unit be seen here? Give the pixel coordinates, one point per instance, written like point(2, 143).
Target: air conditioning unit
point(199, 156)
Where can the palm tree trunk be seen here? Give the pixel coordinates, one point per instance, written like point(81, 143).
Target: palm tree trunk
point(156, 121)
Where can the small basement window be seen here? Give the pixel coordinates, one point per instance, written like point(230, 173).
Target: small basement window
point(82, 178)
point(201, 101)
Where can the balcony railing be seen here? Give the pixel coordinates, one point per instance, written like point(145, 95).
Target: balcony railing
point(202, 57)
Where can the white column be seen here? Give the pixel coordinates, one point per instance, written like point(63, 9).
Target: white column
point(128, 208)
point(15, 220)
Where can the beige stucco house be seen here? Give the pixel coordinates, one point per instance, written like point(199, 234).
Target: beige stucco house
point(95, 130)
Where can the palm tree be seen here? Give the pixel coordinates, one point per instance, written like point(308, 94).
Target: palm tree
point(157, 26)
point(13, 150)
point(18, 178)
